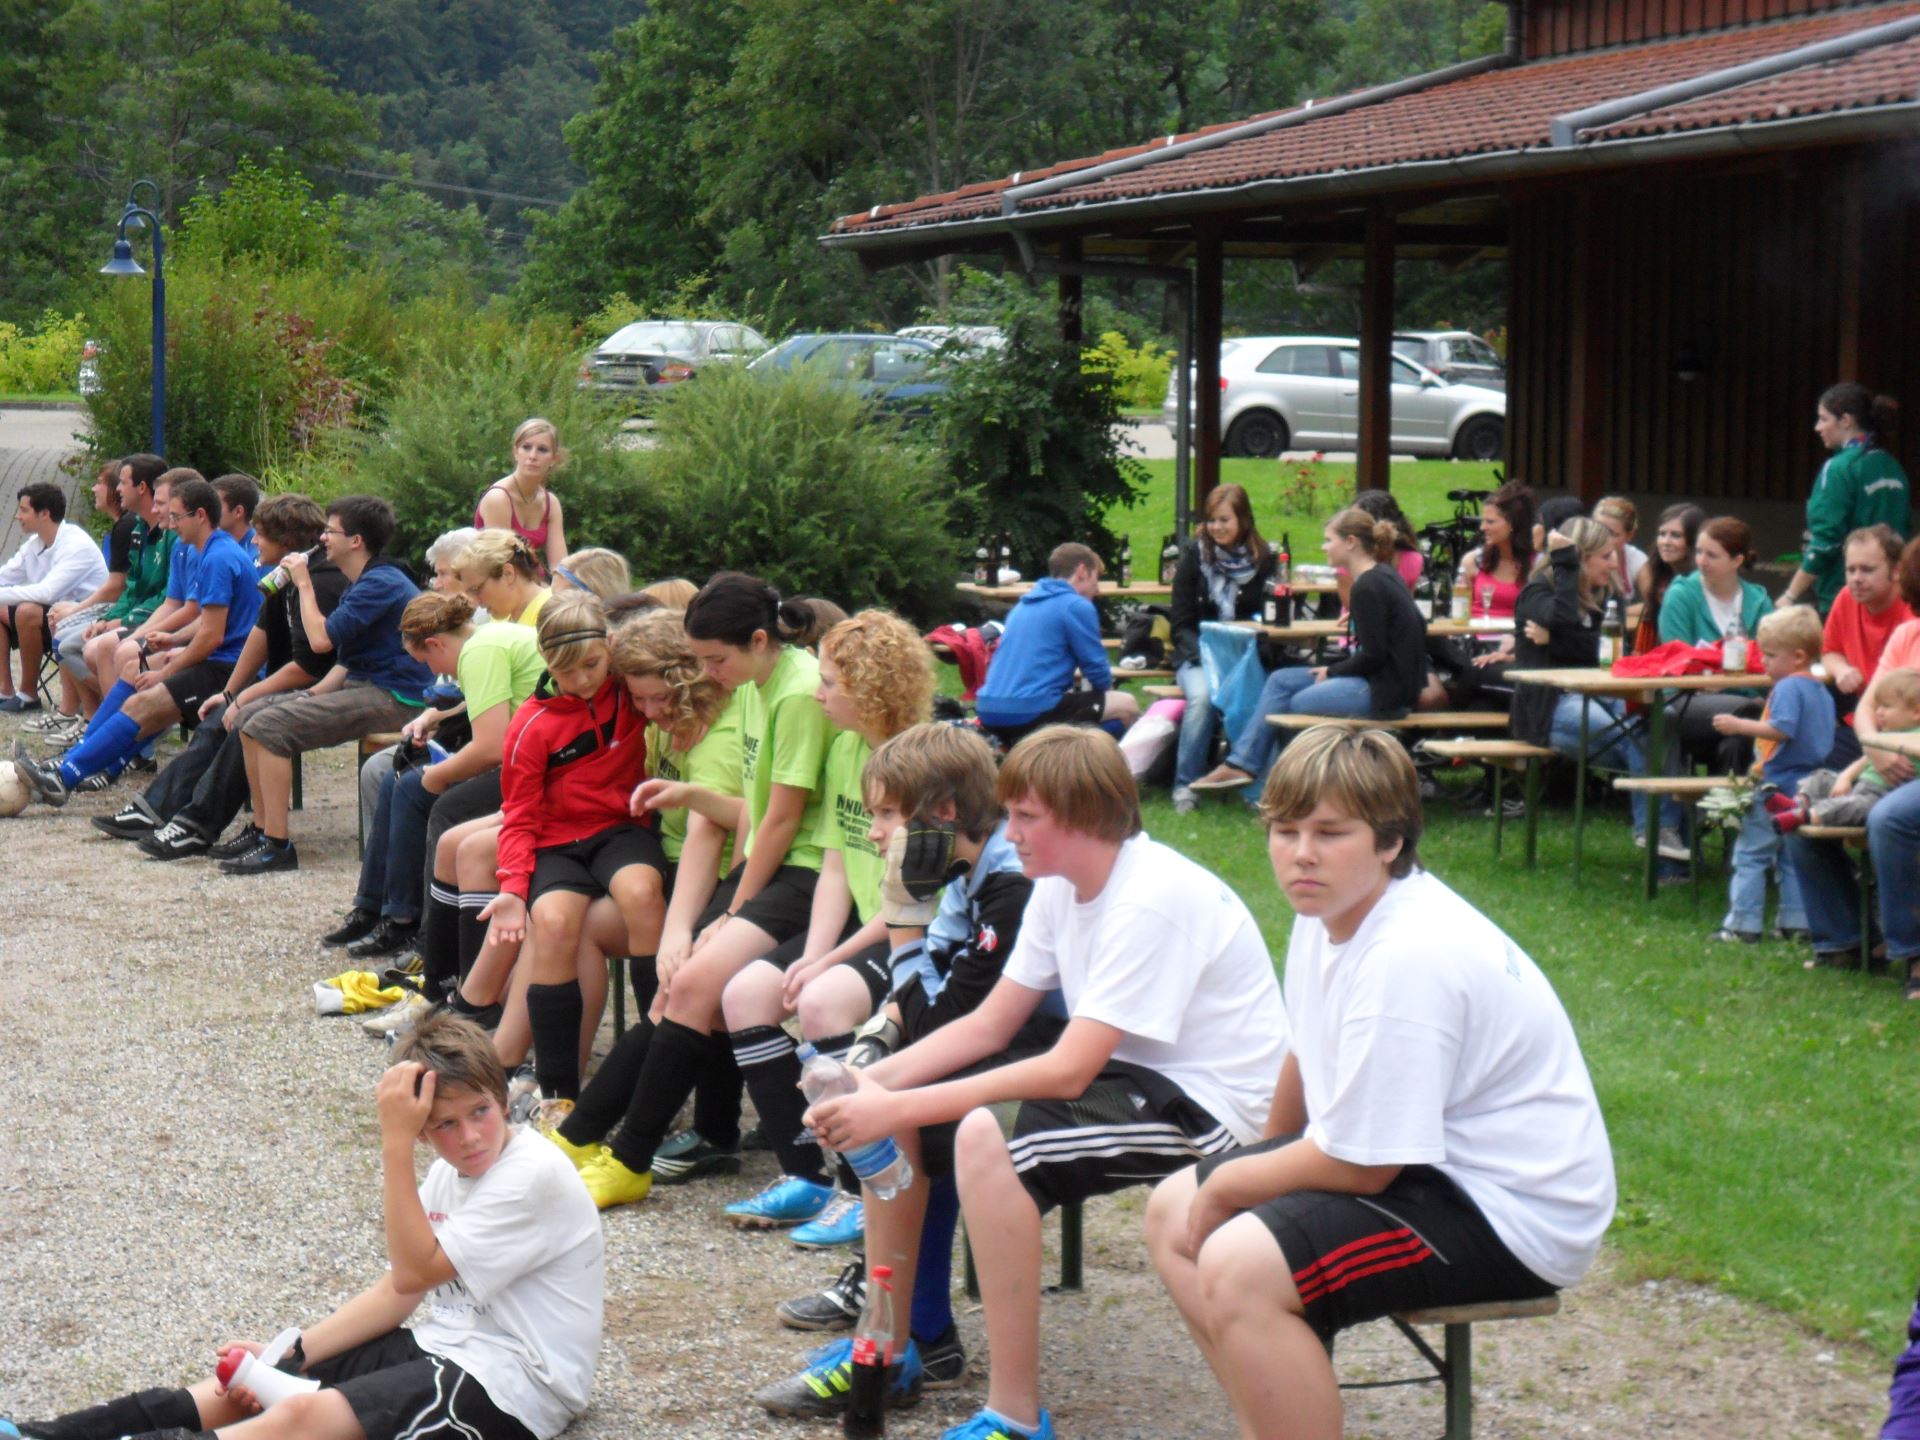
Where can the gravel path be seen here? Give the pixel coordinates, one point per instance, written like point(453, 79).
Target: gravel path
point(191, 1156)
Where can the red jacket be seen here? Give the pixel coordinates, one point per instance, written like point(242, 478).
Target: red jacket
point(567, 770)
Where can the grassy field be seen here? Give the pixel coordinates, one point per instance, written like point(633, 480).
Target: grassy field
point(61, 397)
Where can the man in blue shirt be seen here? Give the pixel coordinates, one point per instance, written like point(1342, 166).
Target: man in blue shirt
point(1053, 631)
point(239, 498)
point(374, 685)
point(226, 597)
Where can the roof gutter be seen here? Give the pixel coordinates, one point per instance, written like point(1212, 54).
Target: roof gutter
point(1565, 130)
point(1012, 197)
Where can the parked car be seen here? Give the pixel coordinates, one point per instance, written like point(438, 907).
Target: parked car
point(1302, 392)
point(649, 354)
point(969, 340)
point(1454, 355)
point(894, 371)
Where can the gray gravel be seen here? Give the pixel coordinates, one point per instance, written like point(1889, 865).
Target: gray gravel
point(190, 1157)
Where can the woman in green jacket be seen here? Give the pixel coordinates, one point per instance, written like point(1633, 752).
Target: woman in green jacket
point(1861, 484)
point(1698, 609)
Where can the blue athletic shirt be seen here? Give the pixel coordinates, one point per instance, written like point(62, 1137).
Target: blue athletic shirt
point(180, 571)
point(223, 575)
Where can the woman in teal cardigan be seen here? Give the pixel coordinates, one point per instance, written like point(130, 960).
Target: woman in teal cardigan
point(1696, 610)
point(1861, 484)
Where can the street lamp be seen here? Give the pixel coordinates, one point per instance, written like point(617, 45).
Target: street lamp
point(123, 263)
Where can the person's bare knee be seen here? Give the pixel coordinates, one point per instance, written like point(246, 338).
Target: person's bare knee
point(753, 996)
point(316, 1415)
point(834, 1003)
point(1168, 1208)
point(980, 1150)
point(638, 891)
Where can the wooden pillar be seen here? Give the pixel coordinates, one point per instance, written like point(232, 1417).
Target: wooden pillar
point(1209, 267)
point(1855, 269)
point(1071, 291)
point(1376, 353)
point(1589, 454)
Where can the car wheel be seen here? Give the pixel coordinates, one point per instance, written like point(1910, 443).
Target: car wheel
point(1480, 439)
point(1258, 435)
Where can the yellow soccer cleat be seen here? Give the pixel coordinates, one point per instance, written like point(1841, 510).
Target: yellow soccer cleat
point(581, 1155)
point(610, 1183)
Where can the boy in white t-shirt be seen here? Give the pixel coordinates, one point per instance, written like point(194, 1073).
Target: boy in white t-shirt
point(1434, 1138)
point(501, 1241)
point(1174, 1030)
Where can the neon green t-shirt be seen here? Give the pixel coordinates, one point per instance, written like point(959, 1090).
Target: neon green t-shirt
point(844, 821)
point(714, 762)
point(499, 664)
point(784, 735)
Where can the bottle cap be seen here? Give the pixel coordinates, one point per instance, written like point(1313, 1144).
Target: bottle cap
point(229, 1363)
point(804, 1052)
point(883, 1272)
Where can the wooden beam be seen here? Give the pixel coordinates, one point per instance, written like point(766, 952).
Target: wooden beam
point(1851, 361)
point(1376, 353)
point(1588, 450)
point(1209, 267)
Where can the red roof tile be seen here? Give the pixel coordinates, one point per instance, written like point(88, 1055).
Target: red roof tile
point(1501, 110)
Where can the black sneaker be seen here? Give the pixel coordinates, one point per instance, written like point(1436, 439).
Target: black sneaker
point(172, 841)
point(359, 923)
point(755, 1139)
point(264, 859)
point(143, 765)
point(245, 843)
point(943, 1362)
point(835, 1308)
point(130, 823)
point(42, 777)
point(389, 937)
point(689, 1155)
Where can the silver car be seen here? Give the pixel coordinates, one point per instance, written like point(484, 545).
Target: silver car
point(1302, 392)
point(652, 353)
point(1457, 355)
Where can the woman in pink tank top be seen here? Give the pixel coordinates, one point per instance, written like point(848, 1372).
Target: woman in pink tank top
point(1496, 571)
point(510, 501)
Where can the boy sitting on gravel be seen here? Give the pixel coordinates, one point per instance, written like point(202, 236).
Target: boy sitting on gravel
point(501, 1242)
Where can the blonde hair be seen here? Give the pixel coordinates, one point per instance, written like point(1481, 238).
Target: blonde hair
point(674, 594)
point(431, 613)
point(447, 549)
point(600, 571)
point(1617, 507)
point(537, 426)
point(655, 643)
point(1080, 776)
point(1377, 536)
point(458, 1053)
point(573, 628)
point(1362, 773)
point(928, 765)
point(886, 668)
point(1902, 687)
point(1797, 628)
point(491, 553)
point(1589, 538)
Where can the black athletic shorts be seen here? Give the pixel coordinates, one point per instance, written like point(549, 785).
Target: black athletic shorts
point(191, 687)
point(587, 867)
point(869, 964)
point(46, 630)
point(1077, 707)
point(1131, 1126)
point(782, 908)
point(1419, 1243)
point(397, 1389)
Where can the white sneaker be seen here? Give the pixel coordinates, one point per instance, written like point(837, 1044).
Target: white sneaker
point(52, 720)
point(1672, 847)
point(523, 1095)
point(396, 1019)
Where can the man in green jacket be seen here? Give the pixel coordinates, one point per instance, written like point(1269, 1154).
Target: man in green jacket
point(142, 493)
point(1861, 484)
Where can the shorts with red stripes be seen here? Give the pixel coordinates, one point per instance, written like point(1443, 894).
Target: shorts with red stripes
point(1419, 1243)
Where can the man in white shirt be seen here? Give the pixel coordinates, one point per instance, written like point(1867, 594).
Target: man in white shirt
point(500, 1241)
point(56, 562)
point(1434, 1138)
point(1174, 1030)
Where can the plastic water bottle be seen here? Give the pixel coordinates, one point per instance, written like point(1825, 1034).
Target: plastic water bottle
point(875, 1340)
point(880, 1166)
point(1733, 653)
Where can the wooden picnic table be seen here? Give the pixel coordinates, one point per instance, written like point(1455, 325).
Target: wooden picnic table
point(1652, 691)
point(1314, 631)
point(1109, 590)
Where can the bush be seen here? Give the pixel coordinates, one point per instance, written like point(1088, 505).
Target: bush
point(44, 359)
point(1138, 377)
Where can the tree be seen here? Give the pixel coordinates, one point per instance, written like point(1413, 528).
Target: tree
point(46, 213)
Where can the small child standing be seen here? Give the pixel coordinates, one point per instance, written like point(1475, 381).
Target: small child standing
point(1844, 798)
point(1792, 738)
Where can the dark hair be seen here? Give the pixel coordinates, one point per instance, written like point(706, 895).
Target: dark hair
point(1514, 500)
point(1237, 500)
point(630, 605)
point(1876, 415)
point(1907, 576)
point(241, 492)
point(1691, 517)
point(1883, 535)
point(731, 606)
point(197, 496)
point(47, 498)
point(1382, 506)
point(291, 521)
point(1731, 534)
point(1558, 509)
point(147, 469)
point(367, 516)
point(109, 476)
point(1066, 560)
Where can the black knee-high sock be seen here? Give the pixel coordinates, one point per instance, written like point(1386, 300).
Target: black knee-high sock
point(440, 940)
point(472, 929)
point(554, 1014)
point(605, 1097)
point(643, 983)
point(765, 1055)
point(716, 1099)
point(676, 1059)
point(136, 1414)
point(835, 1046)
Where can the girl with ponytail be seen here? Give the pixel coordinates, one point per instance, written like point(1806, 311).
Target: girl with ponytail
point(1861, 484)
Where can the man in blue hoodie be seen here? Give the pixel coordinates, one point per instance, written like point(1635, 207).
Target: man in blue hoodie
point(374, 684)
point(1053, 631)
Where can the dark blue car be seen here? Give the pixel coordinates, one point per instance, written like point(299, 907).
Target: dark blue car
point(891, 370)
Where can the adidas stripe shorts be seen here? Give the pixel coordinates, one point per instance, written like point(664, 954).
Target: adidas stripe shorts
point(1419, 1243)
point(398, 1391)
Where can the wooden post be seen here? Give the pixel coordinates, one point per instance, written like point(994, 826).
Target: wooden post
point(1376, 353)
point(1851, 362)
point(1588, 453)
point(1072, 321)
point(1209, 273)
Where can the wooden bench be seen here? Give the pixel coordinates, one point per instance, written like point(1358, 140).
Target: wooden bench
point(1855, 836)
point(1690, 790)
point(1453, 1364)
point(1500, 756)
point(1072, 1233)
point(1418, 720)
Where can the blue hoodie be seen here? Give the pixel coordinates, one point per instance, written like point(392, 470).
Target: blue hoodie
point(365, 630)
point(1051, 632)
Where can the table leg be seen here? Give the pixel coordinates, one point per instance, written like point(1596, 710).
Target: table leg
point(1656, 765)
point(1580, 790)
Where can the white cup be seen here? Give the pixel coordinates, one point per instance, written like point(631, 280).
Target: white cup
point(256, 1372)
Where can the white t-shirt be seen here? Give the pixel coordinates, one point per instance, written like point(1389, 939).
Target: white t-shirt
point(522, 1315)
point(1168, 954)
point(1724, 612)
point(1430, 1038)
point(1632, 561)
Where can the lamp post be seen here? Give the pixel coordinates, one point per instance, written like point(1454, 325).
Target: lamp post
point(123, 263)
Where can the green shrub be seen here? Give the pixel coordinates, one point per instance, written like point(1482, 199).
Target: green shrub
point(1138, 376)
point(43, 359)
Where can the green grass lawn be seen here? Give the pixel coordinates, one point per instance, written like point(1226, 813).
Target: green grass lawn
point(64, 397)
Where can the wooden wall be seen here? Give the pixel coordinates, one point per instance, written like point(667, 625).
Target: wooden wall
point(1555, 27)
point(1780, 279)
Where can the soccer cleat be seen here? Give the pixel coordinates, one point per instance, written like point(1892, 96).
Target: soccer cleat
point(359, 924)
point(244, 843)
point(944, 1362)
point(834, 1308)
point(990, 1425)
point(398, 1018)
point(523, 1094)
point(42, 777)
point(843, 1222)
point(820, 1390)
point(389, 937)
point(551, 1114)
point(611, 1183)
point(18, 704)
point(581, 1155)
point(51, 721)
point(172, 841)
point(96, 782)
point(131, 822)
point(689, 1155)
point(789, 1200)
point(264, 859)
